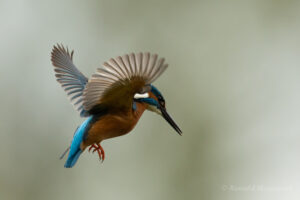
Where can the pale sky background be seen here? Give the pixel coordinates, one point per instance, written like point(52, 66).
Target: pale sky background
point(233, 87)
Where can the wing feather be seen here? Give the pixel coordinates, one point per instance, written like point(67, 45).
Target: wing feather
point(127, 64)
point(70, 78)
point(115, 84)
point(133, 64)
point(146, 62)
point(138, 61)
point(122, 66)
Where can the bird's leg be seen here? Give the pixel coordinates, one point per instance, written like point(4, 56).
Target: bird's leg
point(99, 149)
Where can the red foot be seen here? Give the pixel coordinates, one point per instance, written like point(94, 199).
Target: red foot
point(99, 149)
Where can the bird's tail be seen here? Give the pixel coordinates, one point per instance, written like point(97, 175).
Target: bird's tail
point(71, 161)
point(75, 150)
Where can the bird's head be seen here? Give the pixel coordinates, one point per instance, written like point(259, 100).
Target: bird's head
point(155, 102)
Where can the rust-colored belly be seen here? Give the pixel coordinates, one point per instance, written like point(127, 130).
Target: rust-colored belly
point(113, 125)
point(109, 126)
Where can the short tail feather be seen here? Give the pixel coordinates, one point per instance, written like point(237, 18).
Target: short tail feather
point(74, 149)
point(71, 161)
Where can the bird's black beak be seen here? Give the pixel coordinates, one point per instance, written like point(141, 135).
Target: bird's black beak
point(170, 120)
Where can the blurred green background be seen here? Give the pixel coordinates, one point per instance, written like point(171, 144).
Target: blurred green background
point(232, 86)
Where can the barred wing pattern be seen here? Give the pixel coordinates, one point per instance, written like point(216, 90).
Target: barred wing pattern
point(69, 77)
point(122, 71)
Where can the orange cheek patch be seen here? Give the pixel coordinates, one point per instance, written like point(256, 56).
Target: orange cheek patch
point(151, 95)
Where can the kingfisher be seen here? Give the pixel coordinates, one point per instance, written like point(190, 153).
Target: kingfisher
point(112, 100)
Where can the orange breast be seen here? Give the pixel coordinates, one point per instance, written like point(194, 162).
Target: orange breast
point(113, 125)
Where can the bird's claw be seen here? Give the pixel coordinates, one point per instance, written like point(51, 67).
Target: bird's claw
point(99, 149)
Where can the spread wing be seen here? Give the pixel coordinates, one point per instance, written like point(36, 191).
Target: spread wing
point(69, 77)
point(115, 84)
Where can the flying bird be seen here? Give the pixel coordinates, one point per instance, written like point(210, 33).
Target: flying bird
point(113, 99)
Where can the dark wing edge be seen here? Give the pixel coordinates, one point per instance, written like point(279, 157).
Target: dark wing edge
point(69, 77)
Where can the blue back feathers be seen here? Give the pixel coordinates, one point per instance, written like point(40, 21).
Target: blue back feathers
point(79, 136)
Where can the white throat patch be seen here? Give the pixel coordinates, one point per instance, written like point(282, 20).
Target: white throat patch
point(141, 96)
